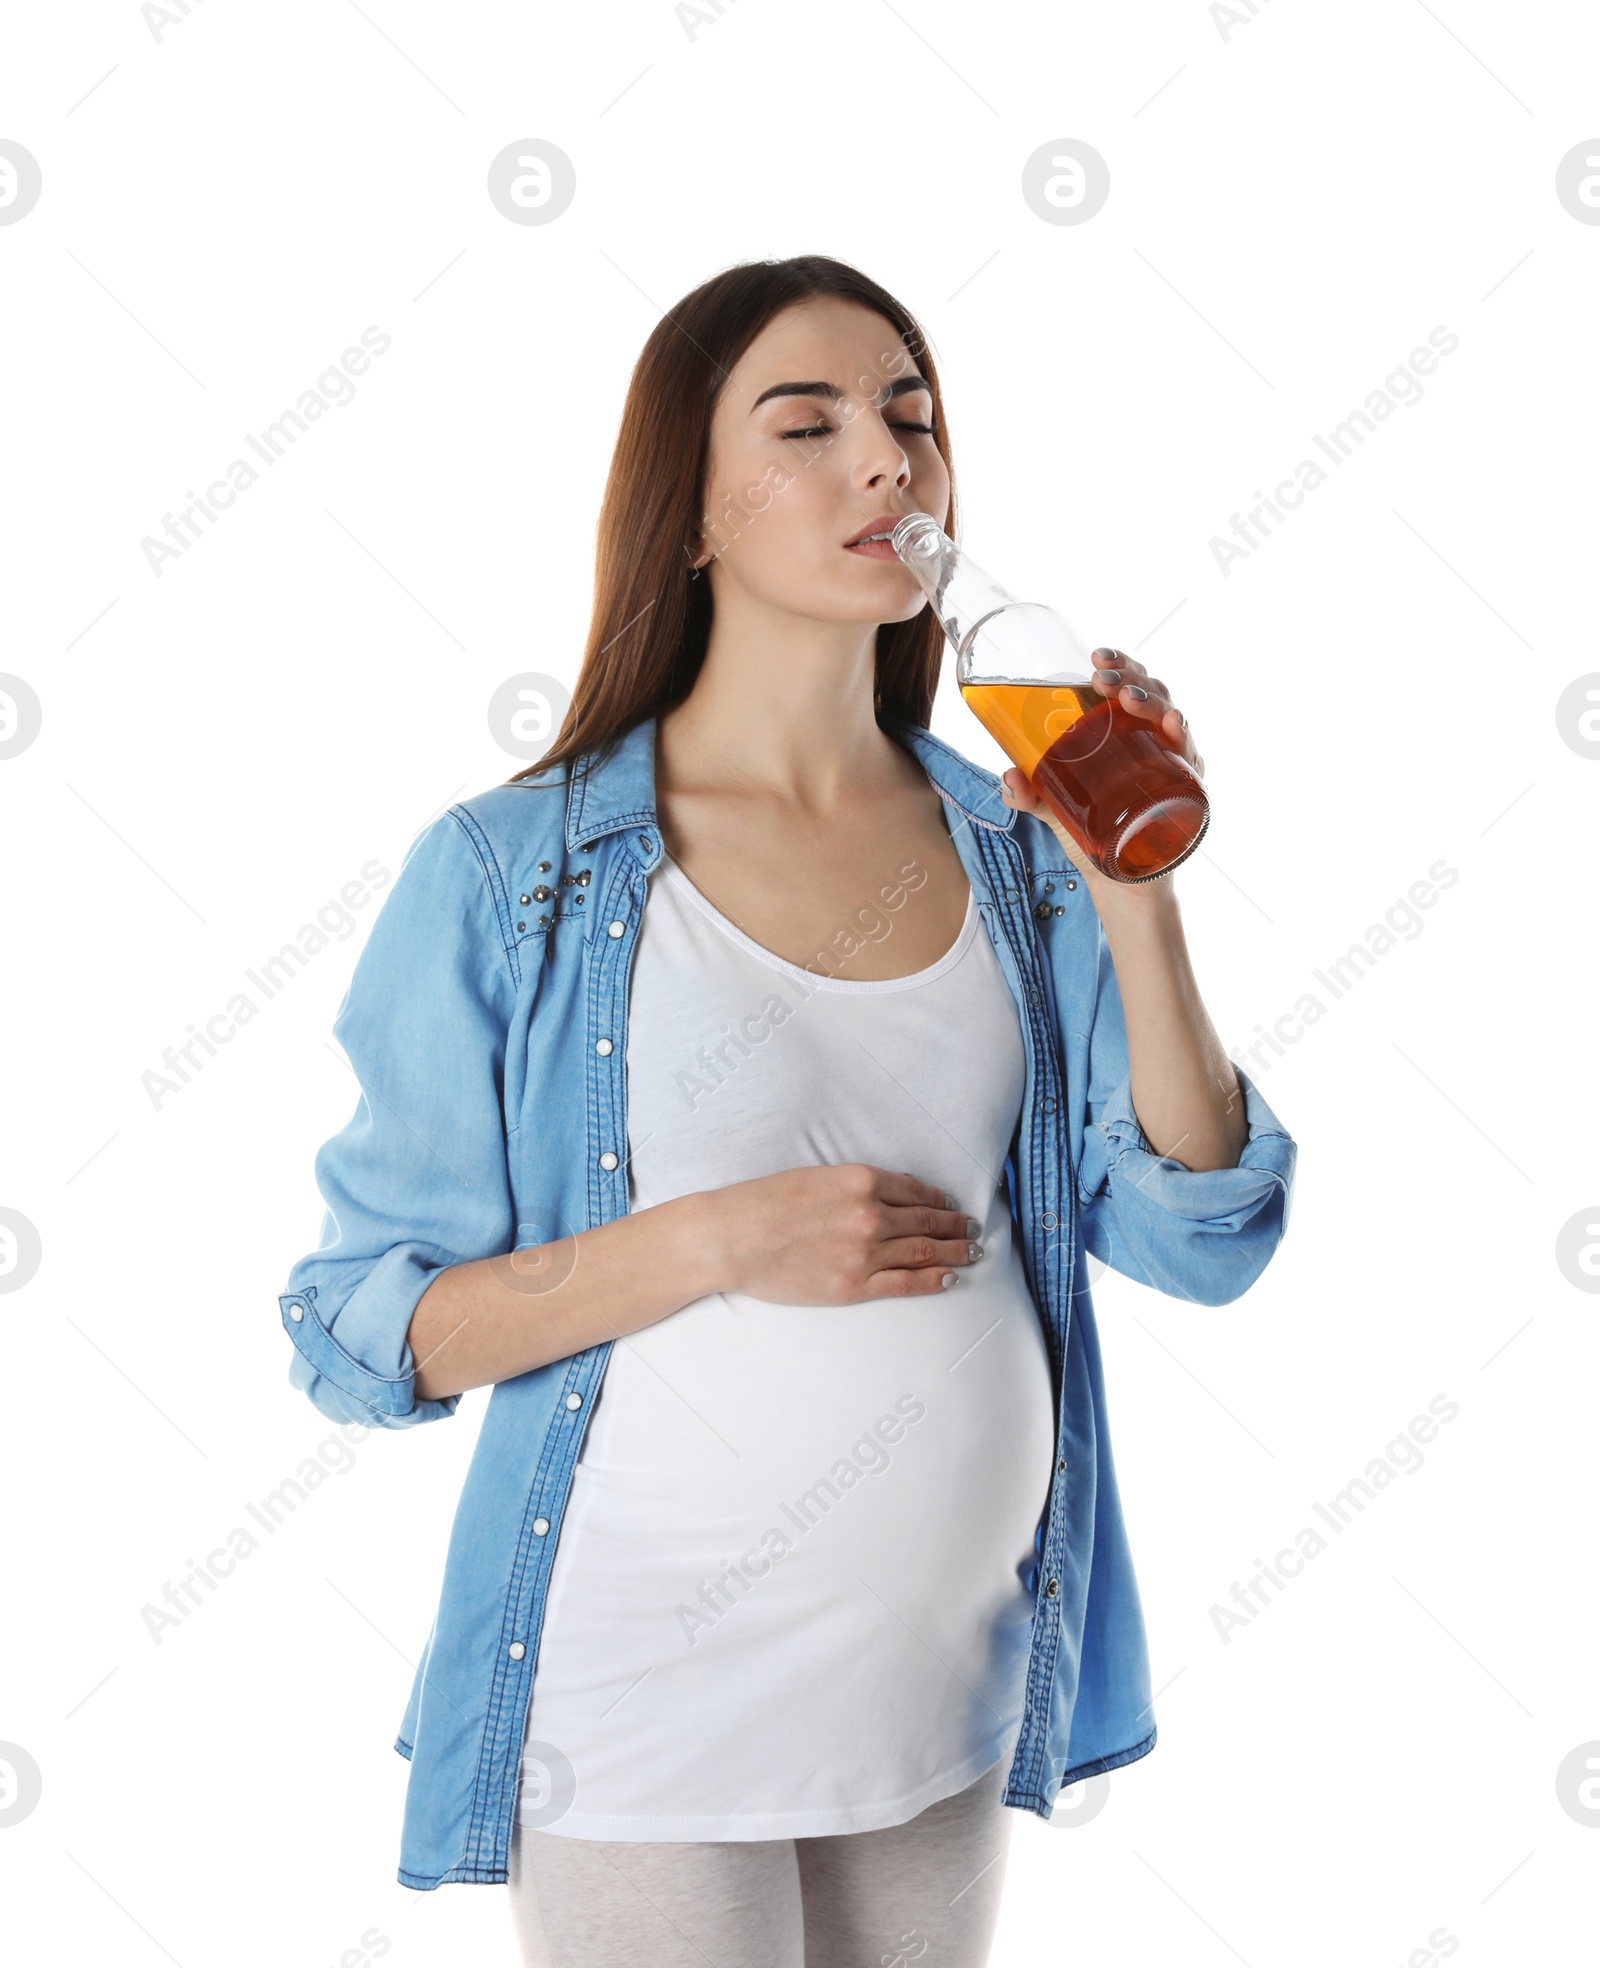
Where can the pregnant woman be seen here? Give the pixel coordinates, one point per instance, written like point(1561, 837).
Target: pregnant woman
point(743, 1090)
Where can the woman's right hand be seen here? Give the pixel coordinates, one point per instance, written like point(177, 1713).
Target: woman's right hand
point(810, 1236)
point(836, 1235)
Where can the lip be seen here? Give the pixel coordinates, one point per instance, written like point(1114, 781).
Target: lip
point(884, 523)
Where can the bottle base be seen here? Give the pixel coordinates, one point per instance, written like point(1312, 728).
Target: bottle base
point(1157, 840)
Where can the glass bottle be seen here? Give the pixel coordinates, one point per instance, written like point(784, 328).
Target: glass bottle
point(1134, 805)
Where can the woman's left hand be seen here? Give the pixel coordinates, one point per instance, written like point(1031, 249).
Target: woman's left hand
point(1185, 1090)
point(1127, 682)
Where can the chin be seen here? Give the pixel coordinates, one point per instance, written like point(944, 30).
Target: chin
point(824, 602)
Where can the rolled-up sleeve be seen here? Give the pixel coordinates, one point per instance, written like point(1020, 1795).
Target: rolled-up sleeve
point(418, 1178)
point(1204, 1235)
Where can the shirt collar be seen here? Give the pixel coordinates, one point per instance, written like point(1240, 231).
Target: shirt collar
point(607, 793)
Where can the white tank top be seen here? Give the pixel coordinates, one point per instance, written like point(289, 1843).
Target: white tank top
point(786, 1600)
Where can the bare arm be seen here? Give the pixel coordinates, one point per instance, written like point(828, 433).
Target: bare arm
point(808, 1236)
point(495, 1317)
point(1185, 1092)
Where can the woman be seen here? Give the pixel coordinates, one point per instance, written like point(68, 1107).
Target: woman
point(741, 1090)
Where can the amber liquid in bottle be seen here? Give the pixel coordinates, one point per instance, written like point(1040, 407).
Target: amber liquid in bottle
point(1133, 805)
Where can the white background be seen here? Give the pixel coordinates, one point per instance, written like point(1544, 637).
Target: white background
point(1295, 203)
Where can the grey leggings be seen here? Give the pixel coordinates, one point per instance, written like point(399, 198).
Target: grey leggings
point(929, 1889)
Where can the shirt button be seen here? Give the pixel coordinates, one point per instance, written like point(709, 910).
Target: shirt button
point(1048, 1219)
point(516, 1650)
point(574, 1400)
point(608, 1160)
point(603, 1047)
point(297, 1313)
point(540, 1526)
point(1051, 1588)
point(615, 929)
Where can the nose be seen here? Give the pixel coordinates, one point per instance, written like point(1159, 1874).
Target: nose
point(881, 460)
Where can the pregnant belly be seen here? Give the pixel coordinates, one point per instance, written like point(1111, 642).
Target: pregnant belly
point(787, 1577)
point(884, 1441)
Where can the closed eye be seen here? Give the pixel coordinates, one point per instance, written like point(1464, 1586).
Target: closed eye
point(825, 430)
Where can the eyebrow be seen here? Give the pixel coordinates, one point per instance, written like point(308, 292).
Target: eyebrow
point(834, 393)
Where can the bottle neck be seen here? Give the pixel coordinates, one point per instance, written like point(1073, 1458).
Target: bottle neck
point(962, 594)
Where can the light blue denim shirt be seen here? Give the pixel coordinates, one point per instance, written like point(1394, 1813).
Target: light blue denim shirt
point(487, 1027)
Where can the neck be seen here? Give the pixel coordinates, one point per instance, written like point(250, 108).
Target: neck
point(783, 705)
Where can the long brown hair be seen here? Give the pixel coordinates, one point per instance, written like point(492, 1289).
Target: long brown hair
point(651, 622)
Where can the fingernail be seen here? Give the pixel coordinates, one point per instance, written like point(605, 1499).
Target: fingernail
point(1134, 691)
point(949, 1202)
point(974, 1252)
point(1183, 721)
point(1114, 675)
point(974, 1227)
point(948, 1280)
